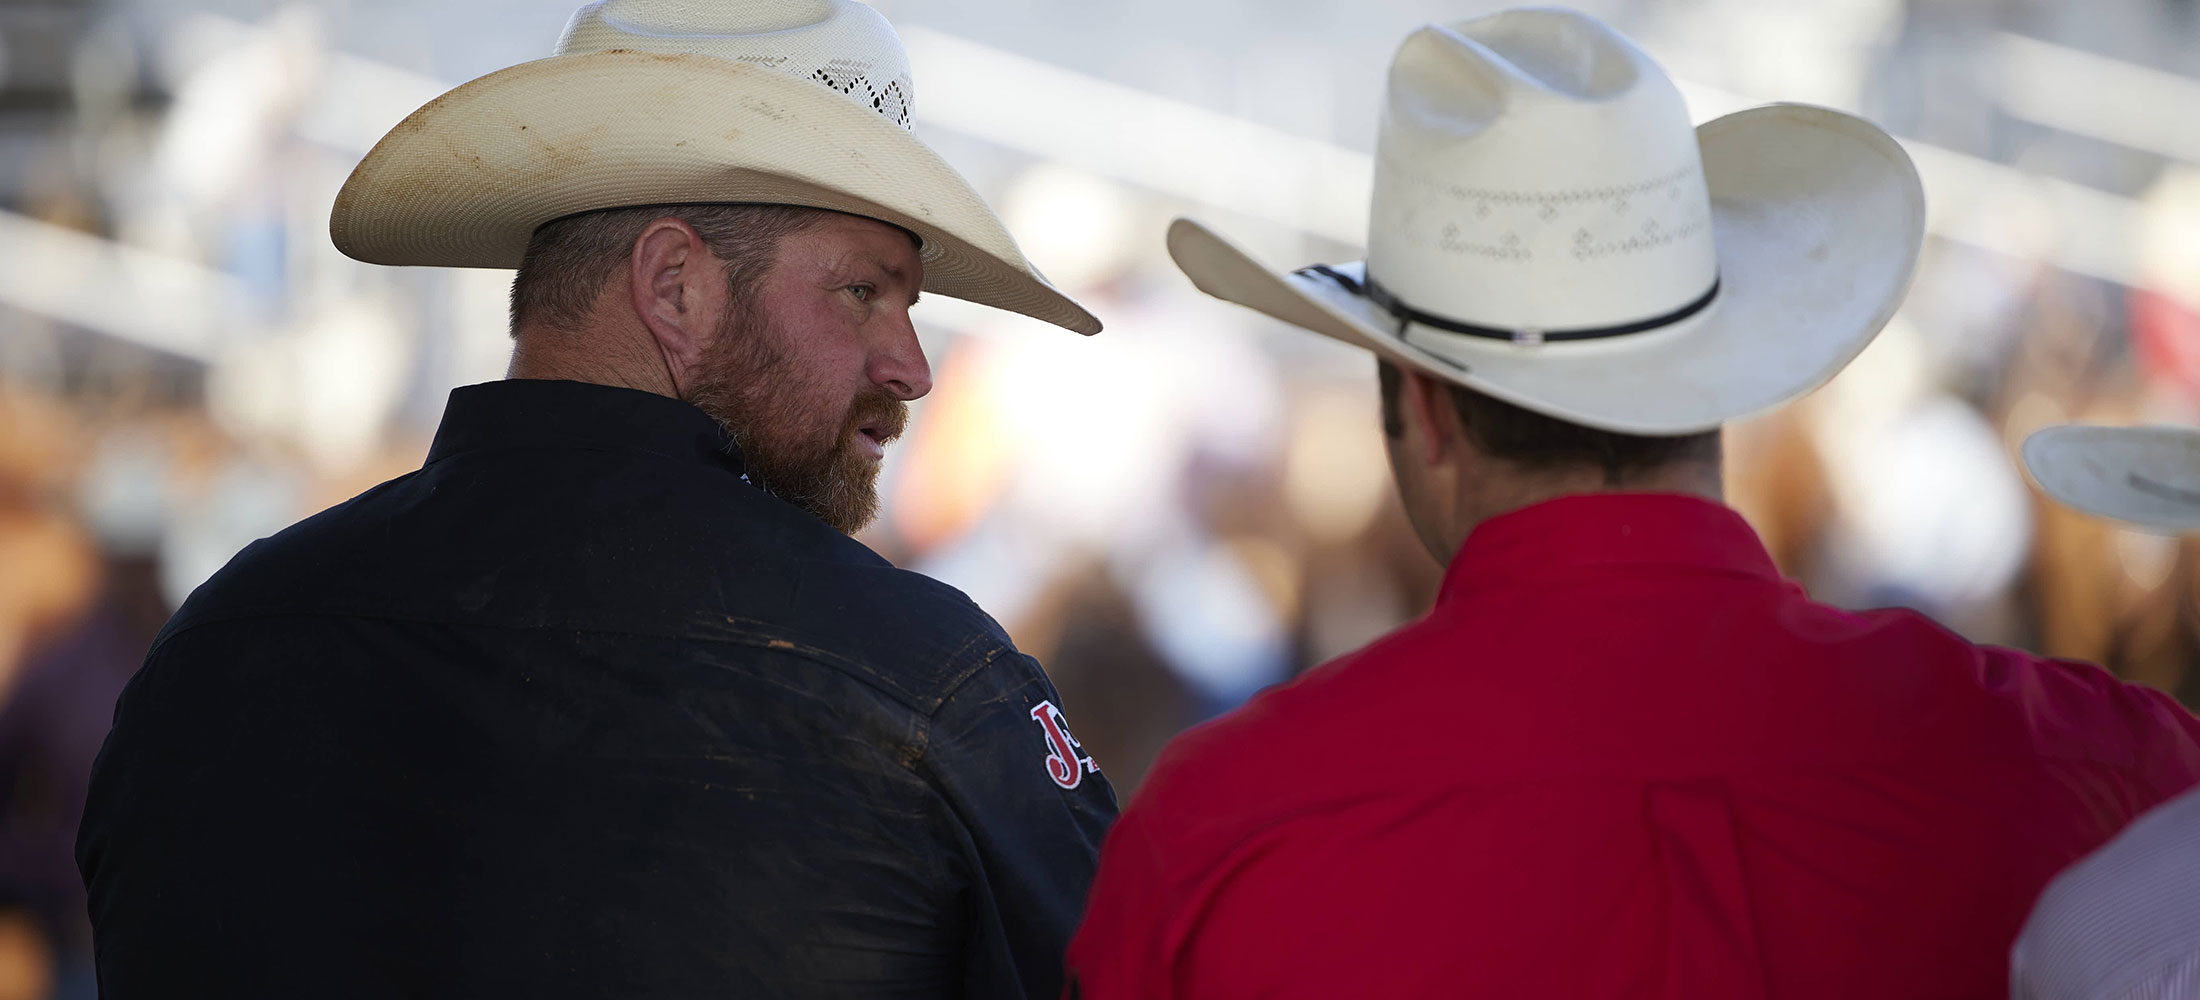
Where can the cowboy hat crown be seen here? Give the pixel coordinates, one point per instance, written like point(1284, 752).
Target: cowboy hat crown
point(663, 102)
point(847, 47)
point(1563, 148)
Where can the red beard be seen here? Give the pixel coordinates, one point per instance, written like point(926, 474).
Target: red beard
point(770, 408)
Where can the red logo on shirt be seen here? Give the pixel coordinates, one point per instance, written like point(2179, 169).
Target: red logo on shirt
point(1066, 762)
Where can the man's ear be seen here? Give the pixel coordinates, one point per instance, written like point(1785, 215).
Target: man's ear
point(1430, 418)
point(678, 293)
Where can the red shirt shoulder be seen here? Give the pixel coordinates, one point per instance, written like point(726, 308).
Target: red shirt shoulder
point(1210, 785)
point(1278, 746)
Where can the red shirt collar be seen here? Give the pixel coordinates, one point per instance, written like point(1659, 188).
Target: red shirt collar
point(1607, 530)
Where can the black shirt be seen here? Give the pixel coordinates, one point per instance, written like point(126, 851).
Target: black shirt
point(574, 711)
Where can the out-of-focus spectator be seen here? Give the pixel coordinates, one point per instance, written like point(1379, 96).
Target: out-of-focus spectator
point(63, 657)
point(1086, 631)
point(2123, 924)
point(50, 731)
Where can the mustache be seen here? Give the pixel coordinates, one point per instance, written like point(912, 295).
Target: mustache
point(877, 409)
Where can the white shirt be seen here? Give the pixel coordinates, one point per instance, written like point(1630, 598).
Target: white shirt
point(2124, 923)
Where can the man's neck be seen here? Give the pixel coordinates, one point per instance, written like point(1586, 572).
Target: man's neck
point(1485, 498)
point(586, 355)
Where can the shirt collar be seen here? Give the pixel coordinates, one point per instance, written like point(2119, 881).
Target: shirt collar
point(534, 413)
point(1600, 530)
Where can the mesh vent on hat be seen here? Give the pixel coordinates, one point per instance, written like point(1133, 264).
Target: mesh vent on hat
point(846, 46)
point(889, 97)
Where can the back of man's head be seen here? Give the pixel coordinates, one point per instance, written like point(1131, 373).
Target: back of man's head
point(1535, 443)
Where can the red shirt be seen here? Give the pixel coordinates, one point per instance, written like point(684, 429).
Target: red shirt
point(1623, 758)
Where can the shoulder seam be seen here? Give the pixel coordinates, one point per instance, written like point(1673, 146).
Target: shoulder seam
point(923, 743)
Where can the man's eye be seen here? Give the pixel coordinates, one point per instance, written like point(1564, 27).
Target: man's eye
point(862, 293)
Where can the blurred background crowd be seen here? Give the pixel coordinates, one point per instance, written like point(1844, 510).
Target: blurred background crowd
point(1170, 516)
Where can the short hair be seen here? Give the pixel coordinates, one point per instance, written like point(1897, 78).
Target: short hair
point(569, 260)
point(1541, 443)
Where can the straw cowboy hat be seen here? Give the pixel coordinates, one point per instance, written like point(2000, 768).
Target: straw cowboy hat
point(2148, 477)
point(1547, 229)
point(658, 102)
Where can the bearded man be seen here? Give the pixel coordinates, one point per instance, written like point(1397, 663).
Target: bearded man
point(603, 700)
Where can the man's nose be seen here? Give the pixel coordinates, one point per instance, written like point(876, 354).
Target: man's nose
point(899, 365)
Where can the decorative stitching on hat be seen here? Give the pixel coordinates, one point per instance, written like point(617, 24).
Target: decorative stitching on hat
point(1508, 247)
point(1651, 237)
point(1514, 227)
point(1548, 198)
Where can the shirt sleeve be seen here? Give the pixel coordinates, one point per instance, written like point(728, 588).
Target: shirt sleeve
point(1033, 806)
point(1117, 952)
point(2179, 978)
point(2119, 924)
point(2172, 751)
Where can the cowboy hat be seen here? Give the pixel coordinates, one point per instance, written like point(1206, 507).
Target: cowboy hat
point(1547, 229)
point(660, 102)
point(2148, 477)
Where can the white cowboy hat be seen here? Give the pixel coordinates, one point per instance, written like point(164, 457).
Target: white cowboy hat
point(2148, 477)
point(659, 102)
point(1547, 229)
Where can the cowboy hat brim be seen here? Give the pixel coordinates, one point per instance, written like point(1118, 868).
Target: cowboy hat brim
point(2147, 477)
point(1818, 218)
point(466, 180)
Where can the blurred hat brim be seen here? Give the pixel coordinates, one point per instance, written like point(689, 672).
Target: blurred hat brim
point(2146, 477)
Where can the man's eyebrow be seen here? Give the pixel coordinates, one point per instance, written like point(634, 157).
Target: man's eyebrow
point(891, 271)
point(879, 262)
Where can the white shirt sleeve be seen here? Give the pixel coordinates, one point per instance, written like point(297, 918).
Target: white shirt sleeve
point(2124, 923)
